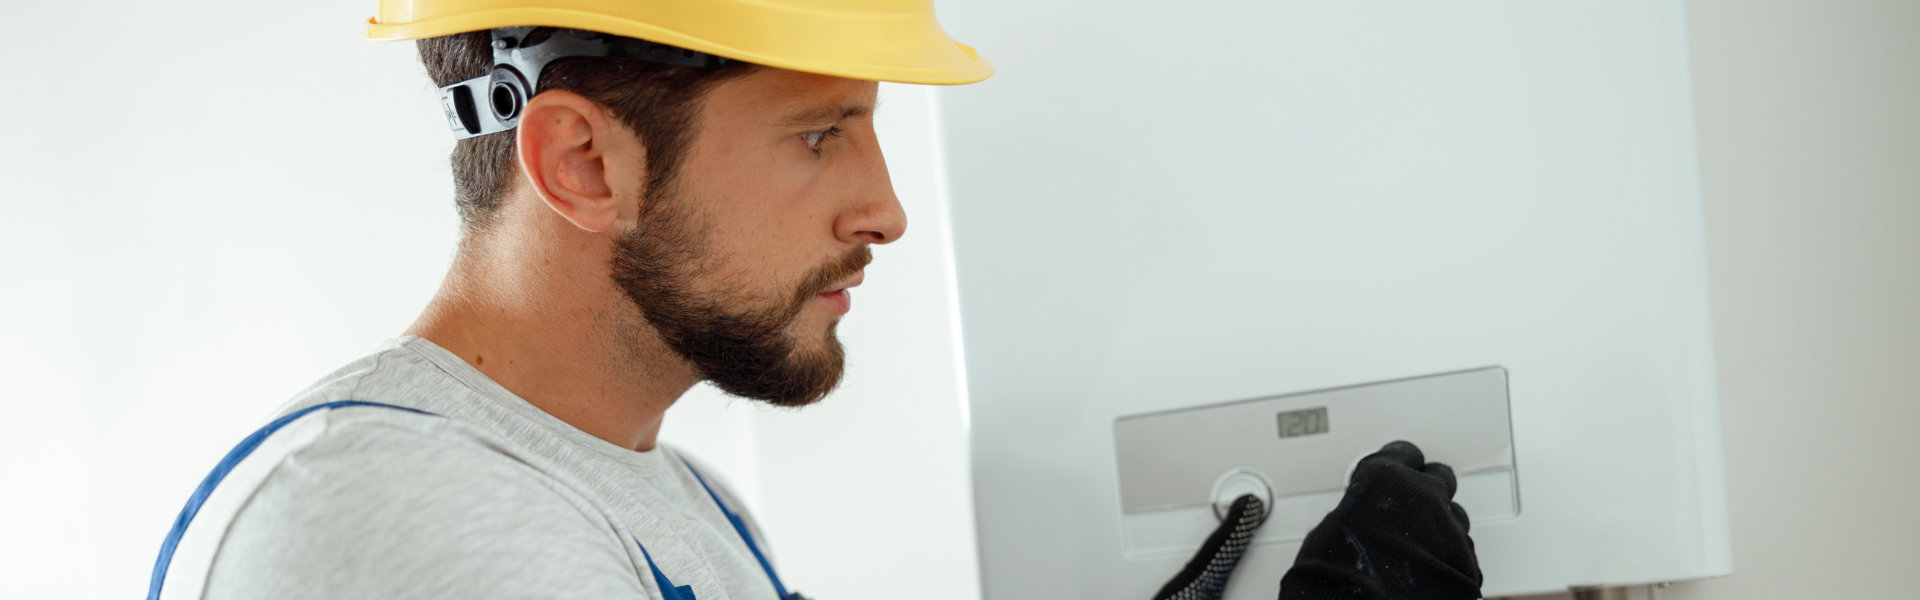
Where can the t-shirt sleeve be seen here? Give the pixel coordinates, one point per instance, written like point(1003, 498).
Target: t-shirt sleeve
point(378, 511)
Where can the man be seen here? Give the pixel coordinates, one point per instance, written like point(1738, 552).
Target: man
point(653, 195)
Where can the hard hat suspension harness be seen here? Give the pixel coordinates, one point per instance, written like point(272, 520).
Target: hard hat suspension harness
point(493, 103)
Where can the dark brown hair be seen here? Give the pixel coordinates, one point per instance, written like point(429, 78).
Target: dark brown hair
point(659, 102)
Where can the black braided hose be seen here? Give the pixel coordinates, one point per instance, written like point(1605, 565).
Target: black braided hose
point(1205, 576)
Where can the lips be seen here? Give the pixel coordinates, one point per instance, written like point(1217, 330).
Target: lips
point(850, 283)
point(839, 299)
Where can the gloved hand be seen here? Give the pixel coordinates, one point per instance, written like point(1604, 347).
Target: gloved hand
point(1396, 535)
point(1205, 576)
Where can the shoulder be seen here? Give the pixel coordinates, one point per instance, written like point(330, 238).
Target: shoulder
point(367, 501)
point(397, 373)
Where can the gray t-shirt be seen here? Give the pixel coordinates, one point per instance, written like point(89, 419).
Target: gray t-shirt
point(491, 498)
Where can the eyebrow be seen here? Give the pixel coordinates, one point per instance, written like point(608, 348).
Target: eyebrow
point(826, 114)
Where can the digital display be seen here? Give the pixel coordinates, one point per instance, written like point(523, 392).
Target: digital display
point(1296, 423)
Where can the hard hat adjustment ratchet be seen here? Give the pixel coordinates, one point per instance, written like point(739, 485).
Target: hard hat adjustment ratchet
point(493, 103)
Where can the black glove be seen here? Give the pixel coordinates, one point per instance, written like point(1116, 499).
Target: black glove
point(1205, 576)
point(1396, 535)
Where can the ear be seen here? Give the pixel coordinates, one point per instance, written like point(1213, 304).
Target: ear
point(574, 155)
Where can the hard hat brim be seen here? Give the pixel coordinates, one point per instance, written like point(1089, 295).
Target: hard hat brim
point(871, 46)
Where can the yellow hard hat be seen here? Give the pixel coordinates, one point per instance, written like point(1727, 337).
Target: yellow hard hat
point(875, 40)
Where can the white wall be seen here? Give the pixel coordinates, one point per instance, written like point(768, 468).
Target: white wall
point(1809, 118)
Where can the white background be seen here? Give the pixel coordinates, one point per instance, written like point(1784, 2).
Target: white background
point(204, 206)
point(1809, 120)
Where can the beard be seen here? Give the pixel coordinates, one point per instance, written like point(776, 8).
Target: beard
point(745, 350)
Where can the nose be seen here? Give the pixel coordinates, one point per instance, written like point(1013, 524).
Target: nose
point(873, 214)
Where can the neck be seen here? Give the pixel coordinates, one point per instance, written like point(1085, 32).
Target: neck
point(544, 321)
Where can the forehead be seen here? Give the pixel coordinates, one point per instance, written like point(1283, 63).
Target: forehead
point(771, 97)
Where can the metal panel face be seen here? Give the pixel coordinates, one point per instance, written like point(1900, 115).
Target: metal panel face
point(1172, 465)
point(1171, 459)
point(1160, 206)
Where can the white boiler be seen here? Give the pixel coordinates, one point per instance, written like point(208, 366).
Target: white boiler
point(1214, 247)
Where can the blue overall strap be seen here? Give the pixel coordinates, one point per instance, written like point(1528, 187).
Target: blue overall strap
point(741, 527)
point(668, 591)
point(220, 471)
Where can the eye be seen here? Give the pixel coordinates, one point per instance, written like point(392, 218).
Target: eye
point(815, 138)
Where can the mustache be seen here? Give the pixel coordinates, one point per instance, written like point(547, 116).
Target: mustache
point(824, 278)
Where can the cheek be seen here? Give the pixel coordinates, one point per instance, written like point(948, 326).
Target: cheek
point(779, 222)
point(772, 218)
point(769, 193)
